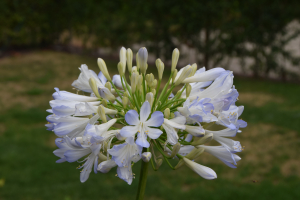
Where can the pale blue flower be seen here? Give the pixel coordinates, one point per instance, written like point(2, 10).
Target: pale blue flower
point(223, 154)
point(142, 126)
point(123, 155)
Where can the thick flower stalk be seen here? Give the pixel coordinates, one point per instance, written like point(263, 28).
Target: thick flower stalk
point(131, 117)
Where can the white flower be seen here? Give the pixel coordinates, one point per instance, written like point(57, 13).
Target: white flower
point(197, 111)
point(203, 171)
point(82, 83)
point(222, 153)
point(70, 126)
point(142, 125)
point(170, 127)
point(123, 155)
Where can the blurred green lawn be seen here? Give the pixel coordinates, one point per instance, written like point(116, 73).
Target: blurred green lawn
point(269, 169)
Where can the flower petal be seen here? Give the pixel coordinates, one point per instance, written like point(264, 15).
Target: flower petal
point(203, 171)
point(142, 140)
point(153, 133)
point(156, 120)
point(128, 131)
point(145, 111)
point(132, 117)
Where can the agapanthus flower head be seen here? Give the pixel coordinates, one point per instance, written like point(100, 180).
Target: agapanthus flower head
point(133, 117)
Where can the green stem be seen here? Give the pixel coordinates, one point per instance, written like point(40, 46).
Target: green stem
point(143, 179)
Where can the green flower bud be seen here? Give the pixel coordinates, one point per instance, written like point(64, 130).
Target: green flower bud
point(101, 113)
point(125, 101)
point(121, 68)
point(104, 102)
point(188, 90)
point(183, 75)
point(194, 69)
point(154, 83)
point(174, 75)
point(158, 162)
point(172, 116)
point(129, 56)
point(101, 157)
point(103, 68)
point(150, 98)
point(175, 150)
point(175, 57)
point(160, 68)
point(123, 58)
point(153, 91)
point(134, 81)
point(205, 139)
point(108, 85)
point(167, 113)
point(94, 87)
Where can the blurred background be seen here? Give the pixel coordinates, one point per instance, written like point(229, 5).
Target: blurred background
point(42, 44)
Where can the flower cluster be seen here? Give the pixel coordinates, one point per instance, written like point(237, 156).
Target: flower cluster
point(117, 122)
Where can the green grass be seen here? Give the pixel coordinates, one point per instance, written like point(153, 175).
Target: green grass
point(27, 164)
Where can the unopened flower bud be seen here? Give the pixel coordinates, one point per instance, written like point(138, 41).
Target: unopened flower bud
point(174, 75)
point(105, 145)
point(172, 116)
point(103, 68)
point(196, 131)
point(140, 81)
point(134, 81)
point(188, 90)
point(158, 162)
point(104, 102)
point(137, 61)
point(195, 153)
point(203, 171)
point(101, 113)
point(205, 139)
point(121, 68)
point(108, 85)
point(154, 83)
point(143, 57)
point(125, 101)
point(149, 79)
point(94, 87)
point(101, 157)
point(106, 94)
point(150, 98)
point(184, 74)
point(109, 111)
point(129, 56)
point(167, 113)
point(123, 57)
point(126, 94)
point(175, 57)
point(194, 69)
point(146, 156)
point(175, 150)
point(160, 68)
point(153, 91)
point(134, 69)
